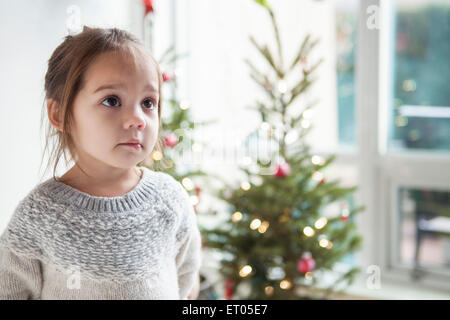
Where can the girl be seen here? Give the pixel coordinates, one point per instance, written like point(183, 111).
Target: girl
point(107, 228)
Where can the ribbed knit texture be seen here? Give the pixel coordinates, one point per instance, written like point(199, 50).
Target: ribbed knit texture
point(62, 243)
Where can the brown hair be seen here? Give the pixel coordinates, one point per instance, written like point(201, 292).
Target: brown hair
point(64, 79)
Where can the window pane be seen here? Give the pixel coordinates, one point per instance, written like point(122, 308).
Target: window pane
point(346, 26)
point(421, 108)
point(425, 229)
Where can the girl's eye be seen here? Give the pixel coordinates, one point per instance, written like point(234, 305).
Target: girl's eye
point(112, 100)
point(148, 104)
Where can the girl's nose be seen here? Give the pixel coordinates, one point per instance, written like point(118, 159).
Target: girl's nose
point(134, 117)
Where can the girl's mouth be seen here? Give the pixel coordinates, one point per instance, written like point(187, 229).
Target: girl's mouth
point(135, 146)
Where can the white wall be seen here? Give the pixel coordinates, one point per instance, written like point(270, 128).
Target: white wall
point(29, 32)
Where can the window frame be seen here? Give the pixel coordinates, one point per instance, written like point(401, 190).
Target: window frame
point(382, 171)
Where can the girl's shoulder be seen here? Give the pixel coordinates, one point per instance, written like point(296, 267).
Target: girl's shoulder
point(31, 221)
point(175, 195)
point(168, 186)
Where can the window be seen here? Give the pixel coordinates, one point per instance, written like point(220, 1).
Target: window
point(346, 14)
point(424, 230)
point(402, 106)
point(421, 109)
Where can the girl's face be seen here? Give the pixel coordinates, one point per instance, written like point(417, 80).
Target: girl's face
point(118, 103)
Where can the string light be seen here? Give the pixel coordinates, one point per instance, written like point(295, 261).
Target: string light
point(268, 290)
point(401, 121)
point(282, 87)
point(308, 275)
point(318, 160)
point(255, 224)
point(237, 216)
point(325, 243)
point(308, 231)
point(409, 85)
point(245, 185)
point(263, 227)
point(184, 105)
point(187, 183)
point(285, 284)
point(245, 271)
point(320, 223)
point(157, 155)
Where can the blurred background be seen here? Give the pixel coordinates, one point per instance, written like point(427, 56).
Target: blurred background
point(383, 110)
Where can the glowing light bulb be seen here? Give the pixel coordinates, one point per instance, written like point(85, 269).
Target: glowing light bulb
point(255, 224)
point(285, 284)
point(187, 183)
point(317, 160)
point(320, 223)
point(157, 155)
point(263, 227)
point(245, 185)
point(245, 271)
point(268, 290)
point(237, 216)
point(184, 105)
point(308, 231)
point(282, 87)
point(323, 243)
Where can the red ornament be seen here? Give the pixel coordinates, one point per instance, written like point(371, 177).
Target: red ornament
point(197, 191)
point(148, 6)
point(282, 170)
point(306, 263)
point(229, 288)
point(345, 213)
point(171, 140)
point(322, 181)
point(167, 77)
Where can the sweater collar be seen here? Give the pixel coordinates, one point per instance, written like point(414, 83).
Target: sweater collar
point(139, 195)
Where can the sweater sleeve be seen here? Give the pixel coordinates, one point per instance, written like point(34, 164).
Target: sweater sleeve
point(20, 269)
point(20, 276)
point(188, 258)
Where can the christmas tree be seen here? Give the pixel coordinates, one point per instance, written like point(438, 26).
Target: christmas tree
point(280, 237)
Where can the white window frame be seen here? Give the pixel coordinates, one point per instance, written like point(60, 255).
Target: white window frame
point(381, 171)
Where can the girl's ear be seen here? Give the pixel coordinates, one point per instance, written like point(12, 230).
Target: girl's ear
point(54, 116)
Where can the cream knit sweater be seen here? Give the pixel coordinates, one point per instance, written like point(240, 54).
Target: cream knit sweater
point(62, 243)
